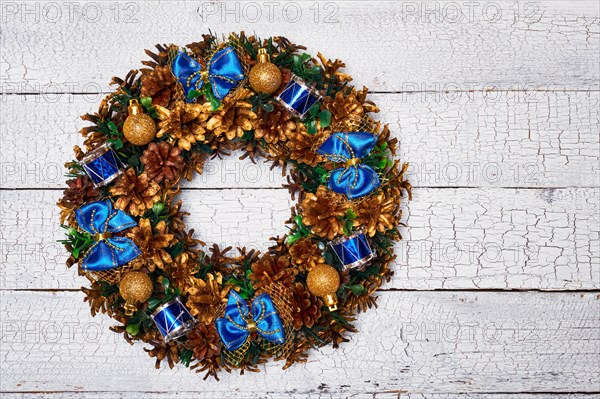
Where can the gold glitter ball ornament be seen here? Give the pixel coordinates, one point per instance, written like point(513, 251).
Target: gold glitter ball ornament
point(139, 128)
point(135, 288)
point(265, 77)
point(323, 281)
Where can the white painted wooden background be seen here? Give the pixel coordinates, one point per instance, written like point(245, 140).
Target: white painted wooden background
point(496, 106)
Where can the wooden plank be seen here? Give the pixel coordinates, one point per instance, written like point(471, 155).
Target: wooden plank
point(284, 395)
point(394, 45)
point(434, 342)
point(457, 239)
point(547, 140)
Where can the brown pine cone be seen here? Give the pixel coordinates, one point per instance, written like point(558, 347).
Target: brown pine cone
point(162, 161)
point(136, 193)
point(274, 126)
point(324, 212)
point(305, 254)
point(205, 341)
point(270, 269)
point(80, 191)
point(306, 307)
point(157, 83)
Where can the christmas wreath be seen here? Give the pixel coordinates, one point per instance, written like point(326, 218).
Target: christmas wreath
point(214, 308)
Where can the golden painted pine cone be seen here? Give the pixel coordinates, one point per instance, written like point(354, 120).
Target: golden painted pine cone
point(323, 211)
point(153, 246)
point(274, 126)
point(270, 269)
point(162, 161)
point(305, 254)
point(137, 194)
point(184, 124)
point(234, 118)
point(158, 83)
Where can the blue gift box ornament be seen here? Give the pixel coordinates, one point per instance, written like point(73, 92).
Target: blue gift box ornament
point(298, 97)
point(173, 320)
point(353, 251)
point(102, 165)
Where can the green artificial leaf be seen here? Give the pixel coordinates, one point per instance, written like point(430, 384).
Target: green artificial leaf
point(117, 144)
point(146, 102)
point(166, 283)
point(268, 107)
point(348, 227)
point(350, 214)
point(153, 303)
point(293, 238)
point(314, 110)
point(357, 289)
point(113, 128)
point(312, 127)
point(158, 208)
point(193, 94)
point(133, 329)
point(325, 118)
point(134, 161)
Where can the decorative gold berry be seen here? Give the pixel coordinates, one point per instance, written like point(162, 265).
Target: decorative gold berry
point(265, 77)
point(139, 128)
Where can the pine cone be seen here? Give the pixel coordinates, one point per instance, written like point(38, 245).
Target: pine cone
point(206, 297)
point(157, 83)
point(205, 341)
point(136, 193)
point(306, 307)
point(81, 190)
point(195, 163)
point(161, 350)
point(378, 213)
point(235, 117)
point(162, 161)
point(269, 269)
point(324, 211)
point(153, 246)
point(274, 126)
point(305, 254)
point(301, 146)
point(185, 123)
point(349, 108)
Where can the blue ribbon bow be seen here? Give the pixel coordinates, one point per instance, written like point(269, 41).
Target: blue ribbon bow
point(224, 71)
point(100, 220)
point(355, 179)
point(238, 323)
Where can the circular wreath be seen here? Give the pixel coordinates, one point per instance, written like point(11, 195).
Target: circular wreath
point(211, 308)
